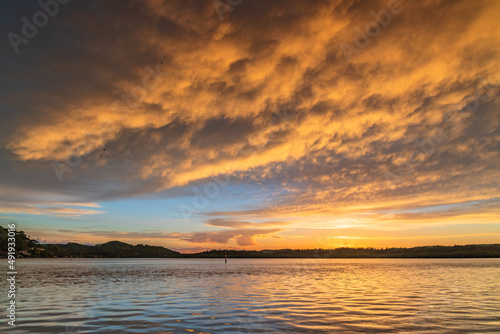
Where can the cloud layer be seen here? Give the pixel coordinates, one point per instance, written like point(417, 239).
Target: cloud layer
point(133, 98)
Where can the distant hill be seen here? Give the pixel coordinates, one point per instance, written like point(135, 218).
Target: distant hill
point(27, 247)
point(109, 249)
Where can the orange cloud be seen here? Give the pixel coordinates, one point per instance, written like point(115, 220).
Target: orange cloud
point(153, 97)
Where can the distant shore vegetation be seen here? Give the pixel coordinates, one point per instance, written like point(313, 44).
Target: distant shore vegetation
point(30, 248)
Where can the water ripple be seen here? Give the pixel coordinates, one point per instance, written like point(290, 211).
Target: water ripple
point(258, 296)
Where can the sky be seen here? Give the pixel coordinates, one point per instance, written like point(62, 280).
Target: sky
point(243, 124)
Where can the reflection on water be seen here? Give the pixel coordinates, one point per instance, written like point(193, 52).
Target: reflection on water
point(257, 296)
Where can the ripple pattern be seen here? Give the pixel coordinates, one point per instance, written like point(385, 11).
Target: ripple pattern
point(257, 296)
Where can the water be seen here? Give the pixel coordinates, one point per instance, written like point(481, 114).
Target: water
point(256, 296)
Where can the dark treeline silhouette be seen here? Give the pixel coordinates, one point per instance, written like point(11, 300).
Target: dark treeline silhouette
point(27, 247)
point(23, 241)
point(466, 251)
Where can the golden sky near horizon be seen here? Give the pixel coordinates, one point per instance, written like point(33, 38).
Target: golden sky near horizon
point(331, 129)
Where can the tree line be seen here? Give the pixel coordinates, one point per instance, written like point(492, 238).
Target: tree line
point(28, 247)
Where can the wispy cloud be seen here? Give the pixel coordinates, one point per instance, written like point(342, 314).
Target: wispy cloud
point(60, 211)
point(231, 223)
point(243, 237)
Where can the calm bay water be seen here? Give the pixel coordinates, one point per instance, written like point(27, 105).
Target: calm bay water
point(256, 296)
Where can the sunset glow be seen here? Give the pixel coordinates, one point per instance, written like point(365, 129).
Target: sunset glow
point(297, 124)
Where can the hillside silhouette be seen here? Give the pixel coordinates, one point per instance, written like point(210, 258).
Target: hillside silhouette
point(28, 247)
